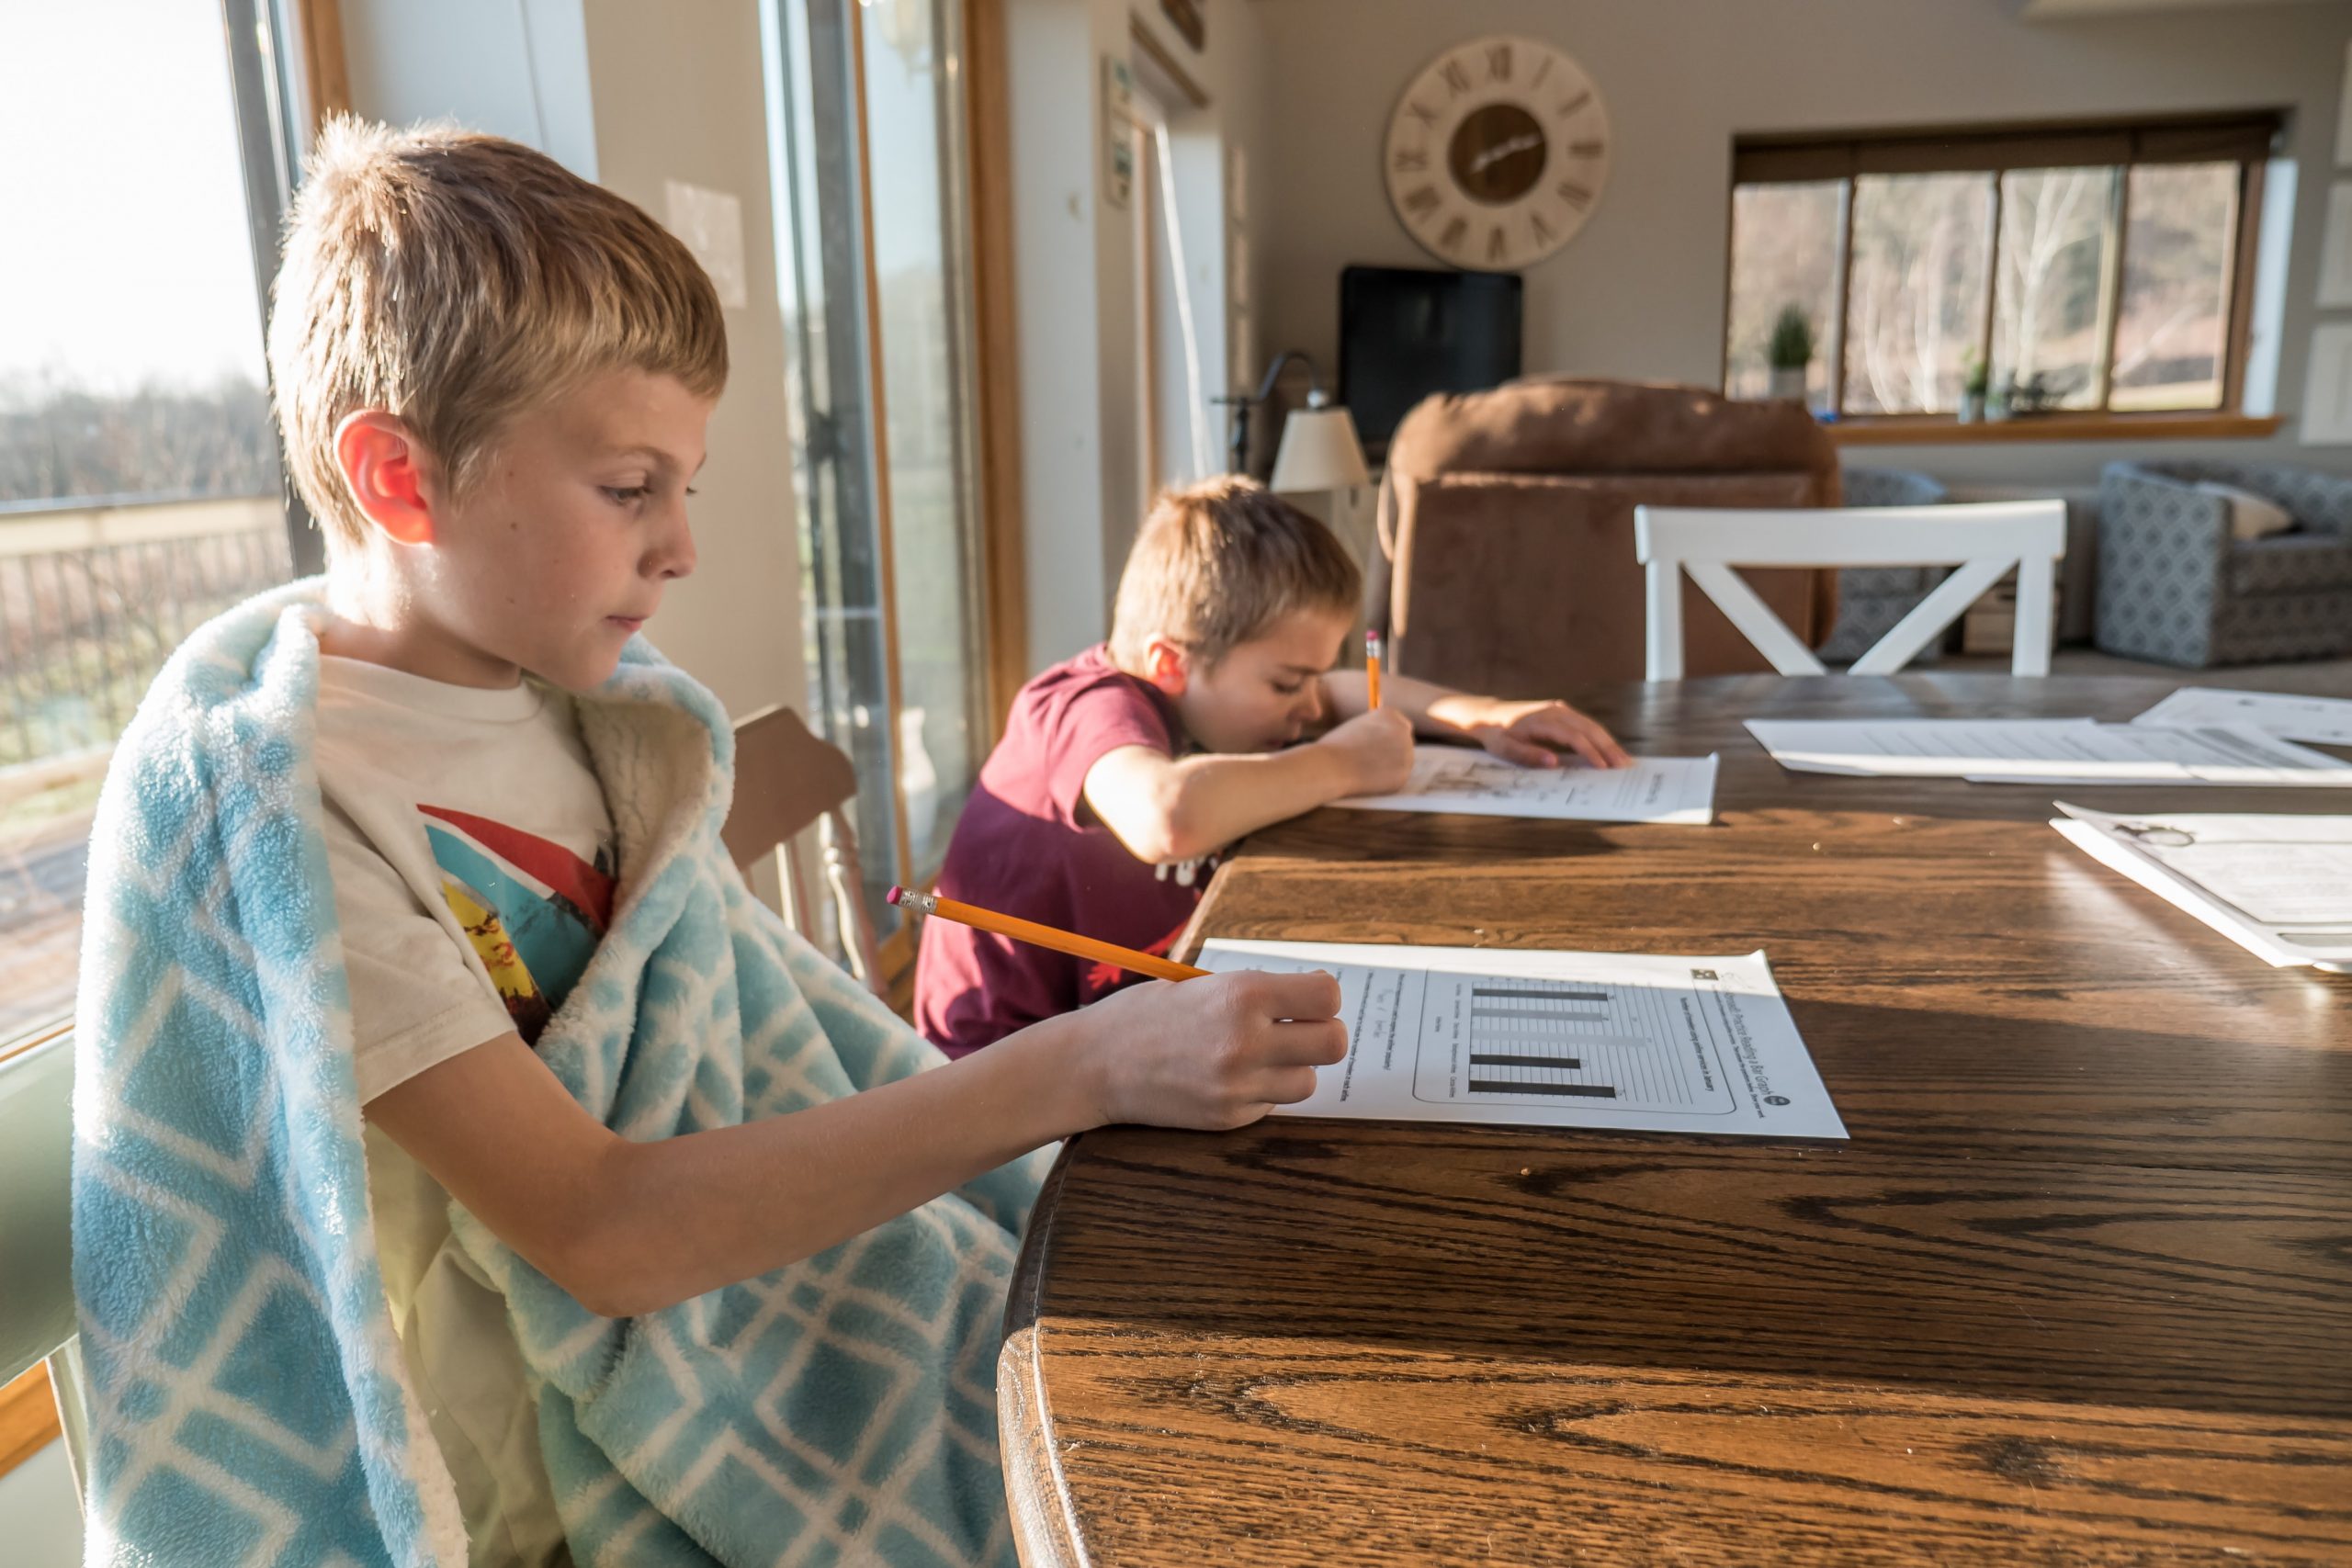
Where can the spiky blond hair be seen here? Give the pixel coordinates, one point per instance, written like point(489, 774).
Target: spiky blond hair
point(453, 280)
point(1217, 563)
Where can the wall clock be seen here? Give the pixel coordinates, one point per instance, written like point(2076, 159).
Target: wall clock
point(1496, 153)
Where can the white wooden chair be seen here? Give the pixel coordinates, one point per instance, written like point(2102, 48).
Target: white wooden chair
point(785, 779)
point(1986, 540)
point(36, 1322)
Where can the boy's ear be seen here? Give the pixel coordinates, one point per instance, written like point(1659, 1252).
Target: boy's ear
point(383, 467)
point(1166, 666)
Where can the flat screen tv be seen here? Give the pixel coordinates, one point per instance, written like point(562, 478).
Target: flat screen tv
point(1406, 332)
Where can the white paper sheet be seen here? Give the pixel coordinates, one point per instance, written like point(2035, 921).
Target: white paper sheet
point(1479, 784)
point(2326, 721)
point(2279, 887)
point(1556, 1039)
point(2045, 751)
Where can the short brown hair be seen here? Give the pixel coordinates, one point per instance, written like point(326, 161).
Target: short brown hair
point(454, 280)
point(1216, 564)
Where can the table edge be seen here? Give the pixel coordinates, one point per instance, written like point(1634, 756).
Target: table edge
point(1036, 1494)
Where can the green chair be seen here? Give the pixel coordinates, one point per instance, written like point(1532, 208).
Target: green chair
point(36, 1232)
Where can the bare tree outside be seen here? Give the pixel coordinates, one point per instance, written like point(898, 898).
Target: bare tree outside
point(2046, 303)
point(61, 442)
point(1917, 293)
point(2172, 341)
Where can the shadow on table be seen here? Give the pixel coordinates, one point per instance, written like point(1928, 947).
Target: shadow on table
point(2176, 1232)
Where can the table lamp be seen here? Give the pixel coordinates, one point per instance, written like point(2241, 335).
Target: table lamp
point(1319, 449)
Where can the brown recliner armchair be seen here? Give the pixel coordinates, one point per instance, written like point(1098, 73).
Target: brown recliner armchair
point(1507, 528)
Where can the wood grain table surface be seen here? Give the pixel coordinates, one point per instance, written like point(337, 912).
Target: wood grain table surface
point(2078, 1290)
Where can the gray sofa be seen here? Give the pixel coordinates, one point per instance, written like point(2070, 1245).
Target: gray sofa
point(1871, 599)
point(2175, 587)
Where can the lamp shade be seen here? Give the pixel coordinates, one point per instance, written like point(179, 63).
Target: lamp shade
point(1319, 451)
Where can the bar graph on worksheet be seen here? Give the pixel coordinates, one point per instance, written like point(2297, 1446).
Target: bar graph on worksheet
point(1624, 1040)
point(1529, 1042)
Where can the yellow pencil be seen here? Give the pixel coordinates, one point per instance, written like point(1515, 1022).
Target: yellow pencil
point(1044, 936)
point(1372, 664)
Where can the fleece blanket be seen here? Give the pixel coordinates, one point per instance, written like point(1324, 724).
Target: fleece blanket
point(250, 1401)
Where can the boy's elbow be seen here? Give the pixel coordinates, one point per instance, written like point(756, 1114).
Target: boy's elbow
point(587, 1265)
point(606, 1256)
point(607, 1277)
point(1168, 833)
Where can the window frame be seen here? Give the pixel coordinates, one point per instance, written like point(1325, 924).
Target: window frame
point(2249, 140)
point(275, 51)
point(821, 57)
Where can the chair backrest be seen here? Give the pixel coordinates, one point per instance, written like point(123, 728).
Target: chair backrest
point(37, 1320)
point(1506, 523)
point(1986, 540)
point(785, 781)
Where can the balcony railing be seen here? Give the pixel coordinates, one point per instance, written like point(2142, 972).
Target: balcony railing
point(93, 596)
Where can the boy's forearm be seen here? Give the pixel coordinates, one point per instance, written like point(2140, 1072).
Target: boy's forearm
point(1221, 798)
point(688, 1214)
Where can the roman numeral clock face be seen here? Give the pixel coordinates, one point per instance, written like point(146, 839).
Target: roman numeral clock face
point(1496, 153)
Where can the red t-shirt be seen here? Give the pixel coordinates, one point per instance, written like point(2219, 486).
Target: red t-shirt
point(1027, 845)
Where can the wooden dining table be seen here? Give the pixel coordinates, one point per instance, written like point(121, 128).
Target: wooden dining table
point(2077, 1289)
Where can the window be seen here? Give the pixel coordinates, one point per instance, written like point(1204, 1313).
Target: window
point(873, 245)
point(140, 490)
point(2100, 270)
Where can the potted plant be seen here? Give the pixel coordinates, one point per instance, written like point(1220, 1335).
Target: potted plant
point(1791, 352)
point(1975, 377)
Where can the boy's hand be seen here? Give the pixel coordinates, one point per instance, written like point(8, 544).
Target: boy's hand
point(1216, 1052)
point(1532, 734)
point(1378, 748)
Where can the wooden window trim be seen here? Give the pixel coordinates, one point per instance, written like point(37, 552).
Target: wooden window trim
point(996, 346)
point(326, 72)
point(28, 1418)
point(1943, 430)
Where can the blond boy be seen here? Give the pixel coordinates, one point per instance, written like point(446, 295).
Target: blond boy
point(564, 1014)
point(1124, 771)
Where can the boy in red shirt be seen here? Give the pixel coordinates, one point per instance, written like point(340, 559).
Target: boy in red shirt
point(1124, 771)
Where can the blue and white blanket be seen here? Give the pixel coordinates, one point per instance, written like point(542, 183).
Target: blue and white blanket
point(250, 1401)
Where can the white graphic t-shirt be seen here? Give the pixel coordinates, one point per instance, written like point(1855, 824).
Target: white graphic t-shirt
point(474, 875)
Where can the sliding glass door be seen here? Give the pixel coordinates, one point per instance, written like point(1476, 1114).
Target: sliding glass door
point(868, 143)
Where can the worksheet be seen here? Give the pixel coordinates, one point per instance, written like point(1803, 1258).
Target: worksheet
point(2326, 721)
point(2044, 751)
point(2280, 886)
point(1479, 784)
point(1556, 1039)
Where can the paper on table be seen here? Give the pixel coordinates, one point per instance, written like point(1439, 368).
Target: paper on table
point(1556, 1039)
point(1478, 784)
point(2279, 887)
point(2044, 751)
point(2325, 720)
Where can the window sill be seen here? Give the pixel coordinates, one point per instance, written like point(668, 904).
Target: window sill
point(1938, 430)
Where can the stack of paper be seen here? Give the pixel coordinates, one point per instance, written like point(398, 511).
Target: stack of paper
point(2326, 721)
point(1478, 784)
point(2279, 887)
point(1556, 1039)
point(2045, 751)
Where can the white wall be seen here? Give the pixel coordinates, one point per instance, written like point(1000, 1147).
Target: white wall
point(679, 96)
point(1075, 296)
point(1639, 293)
point(637, 94)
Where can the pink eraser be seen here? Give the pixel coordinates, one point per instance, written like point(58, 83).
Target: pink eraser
point(895, 894)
